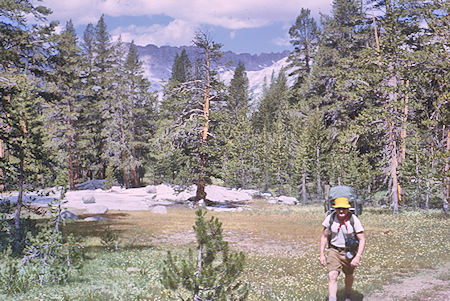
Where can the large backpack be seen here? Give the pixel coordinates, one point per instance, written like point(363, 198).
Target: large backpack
point(339, 192)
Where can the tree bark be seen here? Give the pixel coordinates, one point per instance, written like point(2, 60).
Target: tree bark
point(135, 176)
point(2, 154)
point(393, 170)
point(319, 179)
point(69, 144)
point(17, 221)
point(304, 196)
point(70, 168)
point(3, 150)
point(124, 170)
point(403, 133)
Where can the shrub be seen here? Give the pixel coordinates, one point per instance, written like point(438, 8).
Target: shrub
point(51, 256)
point(14, 276)
point(110, 239)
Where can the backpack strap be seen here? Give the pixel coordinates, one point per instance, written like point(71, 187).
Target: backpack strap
point(332, 216)
point(352, 222)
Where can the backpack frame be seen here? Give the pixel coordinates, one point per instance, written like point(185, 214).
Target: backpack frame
point(343, 191)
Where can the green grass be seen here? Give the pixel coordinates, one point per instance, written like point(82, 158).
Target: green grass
point(396, 245)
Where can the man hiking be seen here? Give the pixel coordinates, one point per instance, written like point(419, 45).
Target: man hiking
point(340, 229)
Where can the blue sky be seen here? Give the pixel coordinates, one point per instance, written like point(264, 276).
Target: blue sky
point(252, 26)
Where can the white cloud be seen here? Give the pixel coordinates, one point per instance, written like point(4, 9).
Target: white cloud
point(282, 41)
point(187, 15)
point(231, 14)
point(176, 33)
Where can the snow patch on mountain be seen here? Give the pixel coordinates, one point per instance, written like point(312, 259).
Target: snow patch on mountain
point(157, 64)
point(257, 79)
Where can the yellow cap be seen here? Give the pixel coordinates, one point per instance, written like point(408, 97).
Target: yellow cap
point(341, 203)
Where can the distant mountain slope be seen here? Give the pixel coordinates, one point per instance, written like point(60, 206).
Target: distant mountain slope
point(158, 63)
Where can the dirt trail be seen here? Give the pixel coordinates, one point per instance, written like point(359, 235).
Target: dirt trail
point(427, 285)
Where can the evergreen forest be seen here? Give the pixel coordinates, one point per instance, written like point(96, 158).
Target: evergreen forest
point(369, 108)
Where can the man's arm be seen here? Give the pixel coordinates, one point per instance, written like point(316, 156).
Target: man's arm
point(323, 243)
point(362, 245)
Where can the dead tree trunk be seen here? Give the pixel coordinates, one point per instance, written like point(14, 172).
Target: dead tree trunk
point(446, 177)
point(201, 181)
point(394, 158)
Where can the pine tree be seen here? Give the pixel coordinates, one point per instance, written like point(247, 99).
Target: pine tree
point(279, 154)
point(304, 36)
point(213, 273)
point(318, 141)
point(114, 111)
point(181, 68)
point(23, 61)
point(210, 52)
point(63, 110)
point(172, 152)
point(238, 92)
point(27, 160)
point(430, 87)
point(141, 115)
point(392, 85)
point(272, 123)
point(98, 97)
point(89, 125)
point(234, 134)
point(302, 169)
point(273, 102)
point(105, 102)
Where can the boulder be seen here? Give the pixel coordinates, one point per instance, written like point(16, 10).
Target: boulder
point(287, 200)
point(68, 215)
point(272, 201)
point(222, 194)
point(151, 202)
point(96, 209)
point(159, 210)
point(117, 189)
point(266, 195)
point(88, 199)
point(150, 189)
point(94, 218)
point(91, 185)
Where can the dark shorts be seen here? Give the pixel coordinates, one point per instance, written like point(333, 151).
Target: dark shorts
point(336, 261)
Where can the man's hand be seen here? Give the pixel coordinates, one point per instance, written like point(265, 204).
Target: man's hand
point(355, 261)
point(323, 260)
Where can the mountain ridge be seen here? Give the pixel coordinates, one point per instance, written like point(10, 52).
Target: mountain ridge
point(158, 60)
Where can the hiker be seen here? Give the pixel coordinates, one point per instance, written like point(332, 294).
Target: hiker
point(343, 227)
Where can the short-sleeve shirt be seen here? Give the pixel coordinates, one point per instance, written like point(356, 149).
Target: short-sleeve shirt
point(338, 237)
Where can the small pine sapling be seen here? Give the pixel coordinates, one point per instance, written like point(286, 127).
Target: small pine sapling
point(110, 239)
point(110, 177)
point(213, 273)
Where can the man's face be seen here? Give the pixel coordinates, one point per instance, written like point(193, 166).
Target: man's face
point(342, 212)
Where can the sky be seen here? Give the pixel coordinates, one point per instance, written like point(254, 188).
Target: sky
point(241, 26)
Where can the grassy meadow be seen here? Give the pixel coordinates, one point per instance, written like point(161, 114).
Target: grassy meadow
point(281, 244)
